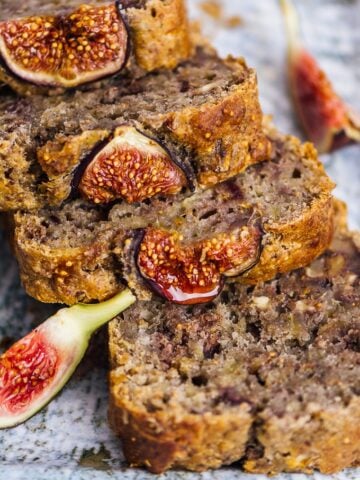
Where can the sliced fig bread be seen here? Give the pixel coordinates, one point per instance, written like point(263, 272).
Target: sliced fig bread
point(275, 217)
point(158, 135)
point(49, 46)
point(268, 376)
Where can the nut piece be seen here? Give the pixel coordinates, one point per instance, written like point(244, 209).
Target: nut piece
point(189, 274)
point(130, 166)
point(66, 51)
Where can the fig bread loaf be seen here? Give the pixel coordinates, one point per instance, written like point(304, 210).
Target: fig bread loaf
point(48, 46)
point(268, 376)
point(275, 217)
point(160, 134)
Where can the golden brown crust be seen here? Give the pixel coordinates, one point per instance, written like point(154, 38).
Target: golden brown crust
point(302, 237)
point(288, 245)
point(305, 238)
point(12, 193)
point(226, 136)
point(340, 216)
point(160, 34)
point(328, 441)
point(160, 38)
point(178, 439)
point(67, 153)
point(320, 433)
point(67, 275)
point(325, 440)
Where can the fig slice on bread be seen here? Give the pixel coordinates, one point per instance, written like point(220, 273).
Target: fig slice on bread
point(194, 273)
point(66, 51)
point(38, 366)
point(132, 166)
point(329, 123)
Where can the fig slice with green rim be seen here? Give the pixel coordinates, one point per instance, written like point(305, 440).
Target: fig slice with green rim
point(194, 273)
point(66, 51)
point(130, 166)
point(329, 123)
point(38, 366)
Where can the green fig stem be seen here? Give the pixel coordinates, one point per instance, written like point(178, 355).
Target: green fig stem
point(291, 25)
point(91, 317)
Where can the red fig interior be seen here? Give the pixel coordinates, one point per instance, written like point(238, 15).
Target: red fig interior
point(193, 273)
point(131, 166)
point(66, 50)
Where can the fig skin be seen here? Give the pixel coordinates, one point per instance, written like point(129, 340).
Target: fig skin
point(38, 366)
point(328, 122)
point(129, 165)
point(195, 273)
point(66, 51)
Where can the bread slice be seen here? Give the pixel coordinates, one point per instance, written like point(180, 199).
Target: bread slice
point(158, 29)
point(81, 253)
point(205, 114)
point(266, 375)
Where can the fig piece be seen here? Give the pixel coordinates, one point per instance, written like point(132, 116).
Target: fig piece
point(37, 367)
point(329, 123)
point(66, 50)
point(194, 273)
point(130, 166)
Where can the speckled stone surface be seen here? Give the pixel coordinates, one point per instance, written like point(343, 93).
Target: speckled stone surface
point(70, 439)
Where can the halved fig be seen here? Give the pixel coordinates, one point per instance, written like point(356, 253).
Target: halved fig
point(130, 166)
point(194, 273)
point(329, 123)
point(66, 50)
point(37, 367)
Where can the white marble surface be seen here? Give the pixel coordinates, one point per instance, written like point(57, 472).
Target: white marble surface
point(70, 439)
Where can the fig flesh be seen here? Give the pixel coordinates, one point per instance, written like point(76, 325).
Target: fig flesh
point(194, 273)
point(130, 166)
point(38, 366)
point(66, 51)
point(329, 123)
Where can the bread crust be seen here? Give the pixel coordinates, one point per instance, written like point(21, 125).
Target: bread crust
point(225, 135)
point(324, 440)
point(215, 141)
point(13, 194)
point(296, 436)
point(163, 441)
point(68, 275)
point(287, 246)
point(159, 36)
point(329, 442)
point(305, 237)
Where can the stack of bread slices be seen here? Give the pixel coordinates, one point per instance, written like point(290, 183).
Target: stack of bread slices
point(143, 160)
